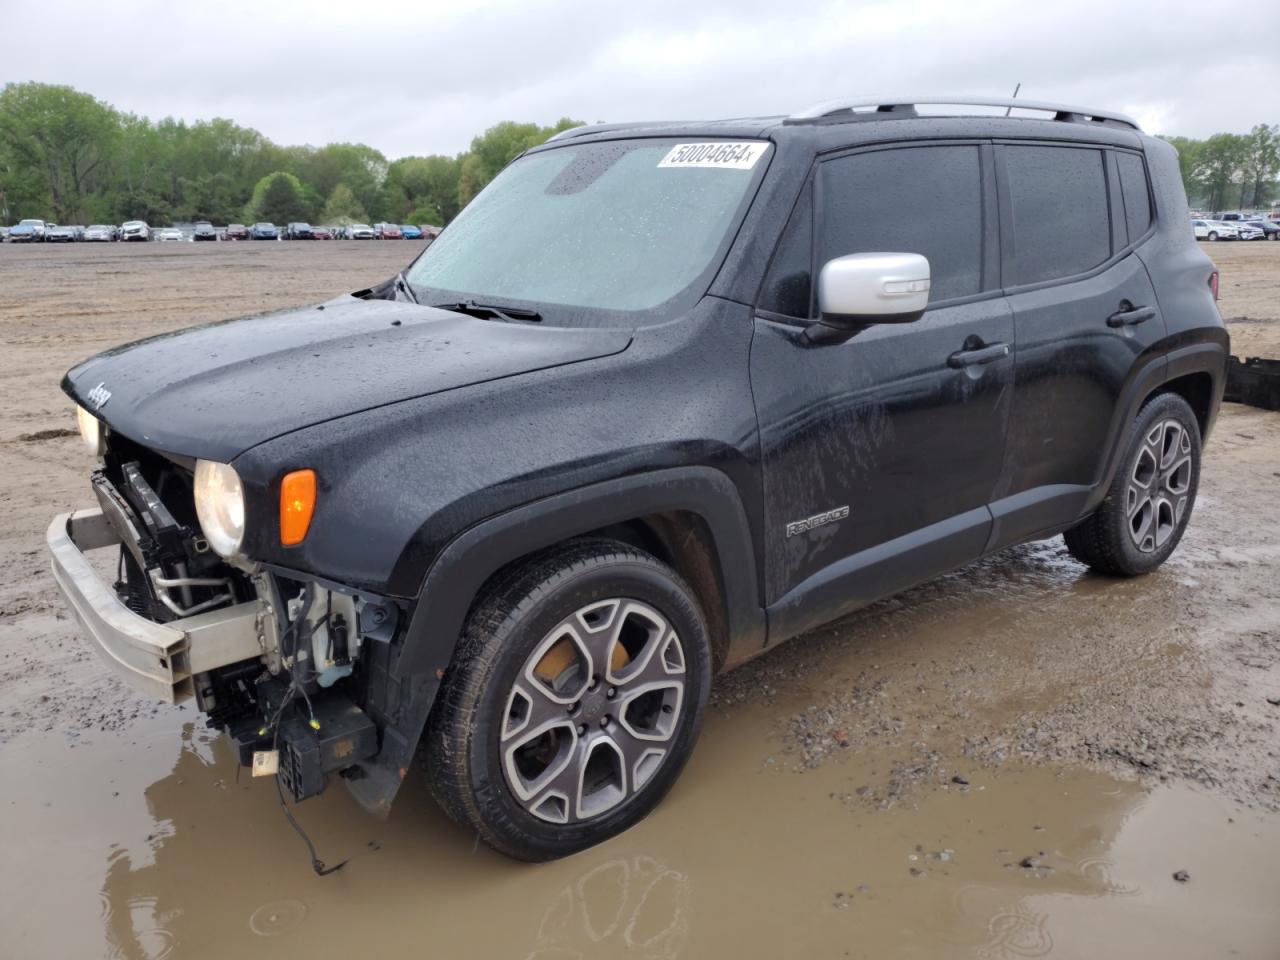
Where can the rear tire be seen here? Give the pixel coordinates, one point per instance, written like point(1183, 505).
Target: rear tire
point(573, 701)
point(1212, 235)
point(1149, 504)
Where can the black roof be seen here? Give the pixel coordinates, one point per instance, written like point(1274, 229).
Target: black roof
point(851, 129)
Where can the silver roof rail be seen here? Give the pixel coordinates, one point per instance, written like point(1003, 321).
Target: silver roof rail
point(902, 104)
point(589, 128)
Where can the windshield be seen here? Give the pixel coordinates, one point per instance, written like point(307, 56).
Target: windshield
point(619, 226)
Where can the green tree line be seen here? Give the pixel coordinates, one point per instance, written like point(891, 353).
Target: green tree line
point(1230, 170)
point(70, 158)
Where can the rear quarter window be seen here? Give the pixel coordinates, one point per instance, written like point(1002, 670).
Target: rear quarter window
point(1137, 197)
point(1061, 225)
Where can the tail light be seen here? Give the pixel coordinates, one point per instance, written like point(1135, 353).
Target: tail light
point(1213, 285)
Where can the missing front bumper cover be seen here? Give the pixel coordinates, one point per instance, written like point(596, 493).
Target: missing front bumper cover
point(158, 659)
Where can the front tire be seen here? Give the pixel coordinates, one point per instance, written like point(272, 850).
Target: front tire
point(1150, 501)
point(1213, 235)
point(573, 701)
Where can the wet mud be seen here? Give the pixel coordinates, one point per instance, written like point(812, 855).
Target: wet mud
point(1014, 760)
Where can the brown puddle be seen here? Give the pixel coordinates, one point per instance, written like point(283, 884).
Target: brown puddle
point(146, 846)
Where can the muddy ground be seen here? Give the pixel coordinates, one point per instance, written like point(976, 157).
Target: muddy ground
point(1010, 761)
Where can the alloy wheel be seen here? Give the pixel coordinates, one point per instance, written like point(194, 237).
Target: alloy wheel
point(1157, 494)
point(593, 712)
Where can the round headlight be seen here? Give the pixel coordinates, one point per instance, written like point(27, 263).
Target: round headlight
point(90, 430)
point(220, 506)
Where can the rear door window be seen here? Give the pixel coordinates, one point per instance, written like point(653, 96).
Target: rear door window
point(1061, 225)
point(1137, 199)
point(925, 200)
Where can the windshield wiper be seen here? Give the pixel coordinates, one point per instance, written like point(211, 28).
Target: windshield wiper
point(403, 285)
point(509, 314)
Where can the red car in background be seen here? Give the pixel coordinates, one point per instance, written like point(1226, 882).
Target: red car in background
point(236, 231)
point(321, 233)
point(386, 231)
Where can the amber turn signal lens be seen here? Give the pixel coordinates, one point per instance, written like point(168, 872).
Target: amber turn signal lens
point(297, 503)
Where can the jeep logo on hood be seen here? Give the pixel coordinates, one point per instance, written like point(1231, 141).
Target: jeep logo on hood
point(98, 396)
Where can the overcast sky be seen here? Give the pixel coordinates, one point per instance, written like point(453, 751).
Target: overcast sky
point(424, 77)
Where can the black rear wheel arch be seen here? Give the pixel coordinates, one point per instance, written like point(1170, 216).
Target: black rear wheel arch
point(1151, 497)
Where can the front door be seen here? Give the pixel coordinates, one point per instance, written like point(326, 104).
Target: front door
point(881, 453)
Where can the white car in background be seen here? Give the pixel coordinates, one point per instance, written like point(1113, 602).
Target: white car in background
point(170, 233)
point(1249, 231)
point(134, 230)
point(1215, 230)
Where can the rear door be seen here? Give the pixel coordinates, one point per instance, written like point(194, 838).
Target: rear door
point(1086, 320)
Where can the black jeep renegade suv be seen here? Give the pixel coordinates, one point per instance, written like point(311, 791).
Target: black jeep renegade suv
point(660, 398)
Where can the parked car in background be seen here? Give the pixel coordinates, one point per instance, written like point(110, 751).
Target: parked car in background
point(387, 231)
point(236, 231)
point(429, 232)
point(170, 234)
point(134, 230)
point(321, 233)
point(204, 231)
point(1270, 229)
point(358, 231)
point(410, 232)
point(61, 235)
point(1248, 231)
point(264, 231)
point(99, 233)
point(298, 231)
point(1214, 230)
point(28, 231)
point(1227, 215)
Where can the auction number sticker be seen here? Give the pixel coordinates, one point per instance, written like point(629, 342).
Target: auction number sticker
point(722, 154)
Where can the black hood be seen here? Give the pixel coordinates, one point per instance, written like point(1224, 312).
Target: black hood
point(215, 391)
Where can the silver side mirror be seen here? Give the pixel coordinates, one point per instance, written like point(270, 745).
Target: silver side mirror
point(865, 288)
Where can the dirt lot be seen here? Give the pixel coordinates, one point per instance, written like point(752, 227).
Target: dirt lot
point(1010, 761)
point(1249, 295)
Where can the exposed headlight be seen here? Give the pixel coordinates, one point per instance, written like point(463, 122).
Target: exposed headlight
point(90, 431)
point(220, 506)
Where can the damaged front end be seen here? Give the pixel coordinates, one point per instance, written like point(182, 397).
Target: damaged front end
point(292, 669)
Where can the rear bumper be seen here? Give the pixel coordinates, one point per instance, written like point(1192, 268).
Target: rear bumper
point(158, 659)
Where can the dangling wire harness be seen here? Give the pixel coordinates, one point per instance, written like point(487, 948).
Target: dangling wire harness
point(298, 630)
